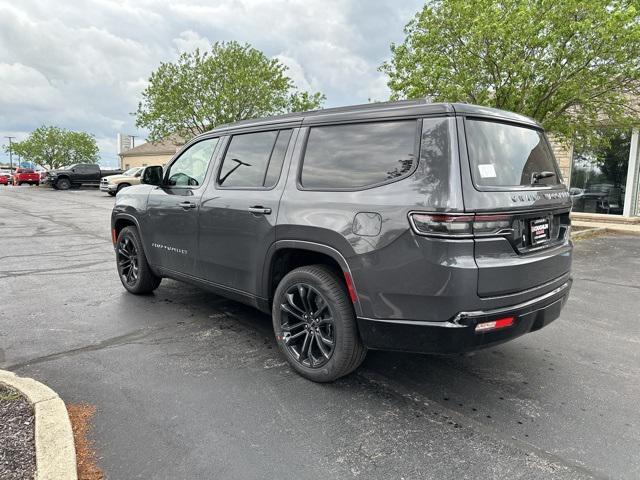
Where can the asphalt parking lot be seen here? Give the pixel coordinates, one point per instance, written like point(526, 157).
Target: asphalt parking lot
point(190, 385)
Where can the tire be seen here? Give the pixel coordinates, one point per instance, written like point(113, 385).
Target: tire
point(347, 351)
point(113, 194)
point(136, 275)
point(121, 186)
point(63, 184)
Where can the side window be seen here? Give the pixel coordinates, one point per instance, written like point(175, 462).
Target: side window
point(190, 168)
point(358, 155)
point(254, 160)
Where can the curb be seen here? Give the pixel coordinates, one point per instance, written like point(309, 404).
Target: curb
point(55, 448)
point(587, 233)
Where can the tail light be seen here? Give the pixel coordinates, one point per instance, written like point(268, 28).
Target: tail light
point(460, 225)
point(494, 325)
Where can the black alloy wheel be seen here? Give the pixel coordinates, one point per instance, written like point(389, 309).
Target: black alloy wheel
point(315, 325)
point(308, 326)
point(133, 269)
point(128, 261)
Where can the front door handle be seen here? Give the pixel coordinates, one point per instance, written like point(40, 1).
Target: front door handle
point(187, 205)
point(260, 209)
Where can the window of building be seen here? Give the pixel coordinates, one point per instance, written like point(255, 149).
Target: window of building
point(599, 173)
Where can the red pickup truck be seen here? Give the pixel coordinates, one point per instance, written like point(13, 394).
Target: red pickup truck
point(26, 175)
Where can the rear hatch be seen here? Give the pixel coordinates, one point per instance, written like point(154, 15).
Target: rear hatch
point(512, 184)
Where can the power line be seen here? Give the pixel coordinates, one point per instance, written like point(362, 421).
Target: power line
point(10, 152)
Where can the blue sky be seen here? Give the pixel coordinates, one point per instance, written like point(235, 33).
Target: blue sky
point(83, 64)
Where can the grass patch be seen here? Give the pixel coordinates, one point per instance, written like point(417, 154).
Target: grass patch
point(8, 394)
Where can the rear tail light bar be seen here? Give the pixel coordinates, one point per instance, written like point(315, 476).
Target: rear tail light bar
point(460, 225)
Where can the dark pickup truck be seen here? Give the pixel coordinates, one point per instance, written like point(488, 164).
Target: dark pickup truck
point(77, 175)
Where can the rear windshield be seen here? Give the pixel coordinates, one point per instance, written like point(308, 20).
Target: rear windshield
point(503, 155)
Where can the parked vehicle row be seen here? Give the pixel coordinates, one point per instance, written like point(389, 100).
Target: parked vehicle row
point(20, 176)
point(77, 175)
point(435, 228)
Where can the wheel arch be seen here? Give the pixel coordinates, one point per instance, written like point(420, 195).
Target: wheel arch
point(297, 253)
point(122, 220)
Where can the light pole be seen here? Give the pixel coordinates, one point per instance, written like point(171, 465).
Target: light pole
point(10, 153)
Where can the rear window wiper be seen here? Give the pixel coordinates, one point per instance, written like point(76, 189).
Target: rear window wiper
point(535, 176)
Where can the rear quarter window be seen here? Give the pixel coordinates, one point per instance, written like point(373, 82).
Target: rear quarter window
point(356, 156)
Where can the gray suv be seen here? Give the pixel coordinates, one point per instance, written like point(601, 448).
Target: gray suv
point(435, 228)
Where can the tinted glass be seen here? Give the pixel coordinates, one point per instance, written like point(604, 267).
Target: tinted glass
point(358, 155)
point(504, 155)
point(277, 158)
point(599, 173)
point(190, 168)
point(246, 160)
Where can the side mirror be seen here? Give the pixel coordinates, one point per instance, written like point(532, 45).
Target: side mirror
point(152, 176)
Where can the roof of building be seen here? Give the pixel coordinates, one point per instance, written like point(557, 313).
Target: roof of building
point(166, 146)
point(381, 110)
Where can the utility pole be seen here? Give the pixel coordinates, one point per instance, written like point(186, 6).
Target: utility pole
point(10, 153)
point(133, 141)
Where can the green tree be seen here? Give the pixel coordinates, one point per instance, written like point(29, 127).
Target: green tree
point(569, 64)
point(56, 147)
point(230, 82)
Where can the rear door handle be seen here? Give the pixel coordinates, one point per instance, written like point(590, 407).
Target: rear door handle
point(187, 205)
point(260, 209)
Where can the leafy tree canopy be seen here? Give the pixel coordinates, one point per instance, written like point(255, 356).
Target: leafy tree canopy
point(56, 147)
point(230, 82)
point(569, 64)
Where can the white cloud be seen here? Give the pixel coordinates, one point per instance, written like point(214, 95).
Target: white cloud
point(296, 72)
point(22, 84)
point(82, 65)
point(189, 41)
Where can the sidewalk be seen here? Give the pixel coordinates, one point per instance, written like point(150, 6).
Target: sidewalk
point(610, 223)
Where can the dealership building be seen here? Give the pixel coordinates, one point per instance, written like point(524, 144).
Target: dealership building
point(150, 153)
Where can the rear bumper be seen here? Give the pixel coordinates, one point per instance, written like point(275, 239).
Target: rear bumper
point(458, 334)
